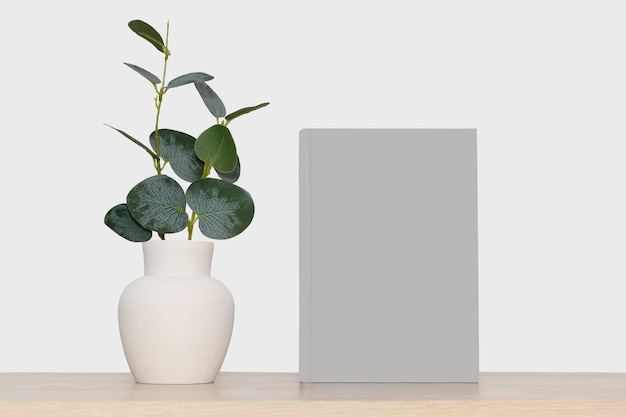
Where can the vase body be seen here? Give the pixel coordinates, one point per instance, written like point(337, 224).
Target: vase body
point(176, 321)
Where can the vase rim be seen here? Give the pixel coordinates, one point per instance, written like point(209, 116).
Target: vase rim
point(177, 242)
point(177, 257)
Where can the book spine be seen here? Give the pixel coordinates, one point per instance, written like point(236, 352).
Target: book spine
point(305, 261)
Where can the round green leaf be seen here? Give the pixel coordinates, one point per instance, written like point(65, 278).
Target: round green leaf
point(122, 222)
point(224, 210)
point(231, 176)
point(177, 148)
point(216, 147)
point(194, 77)
point(211, 100)
point(147, 32)
point(158, 203)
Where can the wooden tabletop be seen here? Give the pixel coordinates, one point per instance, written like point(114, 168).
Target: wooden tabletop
point(281, 394)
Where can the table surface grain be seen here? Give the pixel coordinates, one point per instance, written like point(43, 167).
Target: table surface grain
point(281, 394)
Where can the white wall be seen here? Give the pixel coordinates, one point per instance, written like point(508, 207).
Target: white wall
point(544, 82)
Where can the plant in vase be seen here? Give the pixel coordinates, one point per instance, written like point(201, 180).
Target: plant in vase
point(176, 321)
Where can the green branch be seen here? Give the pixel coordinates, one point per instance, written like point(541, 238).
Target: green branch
point(159, 99)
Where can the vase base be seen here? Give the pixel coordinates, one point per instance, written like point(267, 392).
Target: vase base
point(174, 383)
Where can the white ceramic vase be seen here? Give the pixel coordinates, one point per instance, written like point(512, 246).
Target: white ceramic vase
point(176, 321)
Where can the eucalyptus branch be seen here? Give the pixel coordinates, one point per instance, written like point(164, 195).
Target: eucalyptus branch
point(159, 99)
point(159, 204)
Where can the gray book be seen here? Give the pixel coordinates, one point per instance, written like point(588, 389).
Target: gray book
point(388, 255)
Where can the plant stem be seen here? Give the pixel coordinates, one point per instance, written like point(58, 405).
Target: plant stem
point(190, 225)
point(206, 170)
point(159, 100)
point(205, 173)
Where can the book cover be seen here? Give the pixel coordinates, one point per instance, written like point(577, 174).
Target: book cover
point(388, 255)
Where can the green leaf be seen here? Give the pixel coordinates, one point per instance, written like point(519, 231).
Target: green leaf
point(135, 141)
point(178, 149)
point(216, 147)
point(224, 210)
point(231, 176)
point(194, 77)
point(122, 222)
point(211, 100)
point(147, 32)
point(145, 73)
point(245, 110)
point(158, 203)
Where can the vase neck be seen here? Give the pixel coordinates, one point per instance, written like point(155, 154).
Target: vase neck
point(182, 258)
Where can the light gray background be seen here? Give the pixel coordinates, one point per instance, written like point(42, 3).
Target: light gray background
point(542, 81)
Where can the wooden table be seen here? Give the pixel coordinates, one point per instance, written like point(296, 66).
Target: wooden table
point(281, 394)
